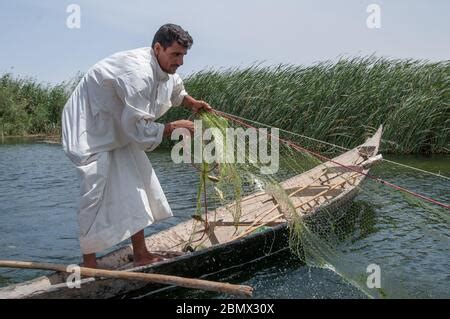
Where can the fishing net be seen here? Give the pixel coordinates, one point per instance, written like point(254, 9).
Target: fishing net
point(384, 242)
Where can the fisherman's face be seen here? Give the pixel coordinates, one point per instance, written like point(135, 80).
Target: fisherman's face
point(171, 58)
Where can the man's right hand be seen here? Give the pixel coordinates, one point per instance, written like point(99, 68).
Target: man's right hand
point(170, 127)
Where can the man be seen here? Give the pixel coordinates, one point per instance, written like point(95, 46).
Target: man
point(107, 124)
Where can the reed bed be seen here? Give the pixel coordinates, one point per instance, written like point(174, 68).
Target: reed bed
point(342, 102)
point(339, 102)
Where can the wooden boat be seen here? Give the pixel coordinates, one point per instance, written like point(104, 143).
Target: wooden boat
point(326, 188)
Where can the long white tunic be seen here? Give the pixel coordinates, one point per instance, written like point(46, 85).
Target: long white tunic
point(107, 124)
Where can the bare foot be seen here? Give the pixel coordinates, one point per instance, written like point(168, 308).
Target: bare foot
point(146, 259)
point(90, 265)
point(90, 261)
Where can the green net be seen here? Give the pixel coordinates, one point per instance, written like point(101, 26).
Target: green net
point(382, 241)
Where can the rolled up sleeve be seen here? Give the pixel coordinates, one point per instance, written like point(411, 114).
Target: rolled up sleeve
point(138, 125)
point(178, 92)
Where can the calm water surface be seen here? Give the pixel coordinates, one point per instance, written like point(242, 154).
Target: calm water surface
point(39, 188)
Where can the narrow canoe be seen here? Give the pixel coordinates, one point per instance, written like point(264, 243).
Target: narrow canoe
point(327, 187)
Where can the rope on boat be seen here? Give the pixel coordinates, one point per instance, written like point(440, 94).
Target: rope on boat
point(341, 147)
point(300, 148)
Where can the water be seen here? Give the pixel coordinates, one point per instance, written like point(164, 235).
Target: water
point(39, 188)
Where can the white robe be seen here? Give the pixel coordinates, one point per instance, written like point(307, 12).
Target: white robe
point(107, 124)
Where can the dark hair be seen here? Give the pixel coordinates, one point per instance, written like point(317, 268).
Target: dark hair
point(169, 33)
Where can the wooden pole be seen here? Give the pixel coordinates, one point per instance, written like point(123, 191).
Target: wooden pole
point(237, 290)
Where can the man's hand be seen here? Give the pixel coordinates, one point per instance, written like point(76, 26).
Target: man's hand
point(170, 127)
point(196, 105)
point(201, 105)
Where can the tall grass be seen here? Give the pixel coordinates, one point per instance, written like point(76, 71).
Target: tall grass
point(28, 107)
point(341, 102)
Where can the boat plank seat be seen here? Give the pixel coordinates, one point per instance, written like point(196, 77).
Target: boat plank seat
point(340, 169)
